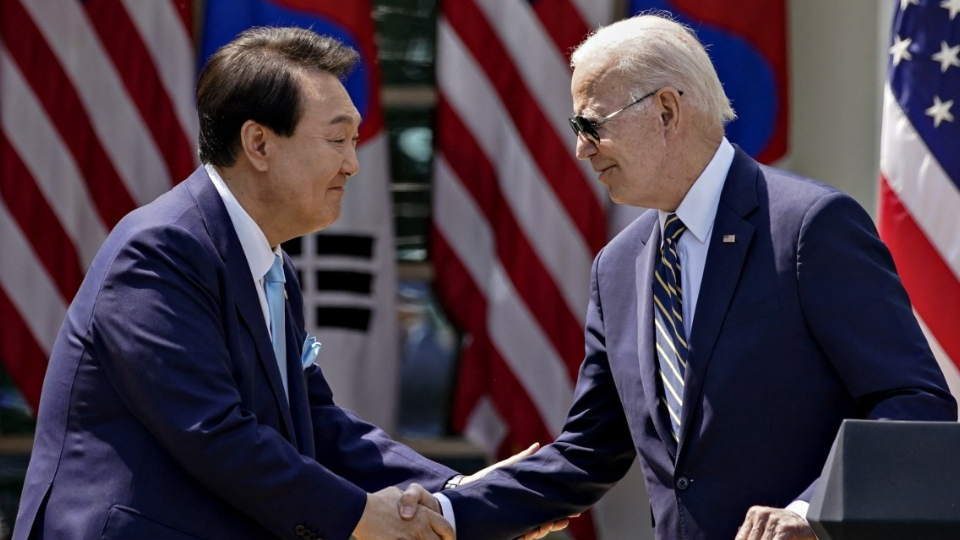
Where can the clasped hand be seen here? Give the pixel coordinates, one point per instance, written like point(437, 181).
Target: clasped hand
point(416, 496)
point(421, 519)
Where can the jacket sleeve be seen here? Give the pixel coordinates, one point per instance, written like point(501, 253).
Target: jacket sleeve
point(860, 315)
point(594, 451)
point(349, 446)
point(362, 452)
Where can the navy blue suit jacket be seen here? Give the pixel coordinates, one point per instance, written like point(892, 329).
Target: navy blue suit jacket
point(163, 416)
point(801, 322)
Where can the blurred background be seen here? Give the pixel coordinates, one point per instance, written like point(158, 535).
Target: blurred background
point(450, 296)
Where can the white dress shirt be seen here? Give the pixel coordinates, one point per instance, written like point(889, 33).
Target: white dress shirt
point(255, 246)
point(697, 211)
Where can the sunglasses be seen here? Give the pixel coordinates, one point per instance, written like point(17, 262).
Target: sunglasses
point(588, 128)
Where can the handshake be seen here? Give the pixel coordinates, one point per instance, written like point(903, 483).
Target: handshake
point(415, 514)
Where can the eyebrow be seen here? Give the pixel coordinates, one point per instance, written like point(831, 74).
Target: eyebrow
point(343, 119)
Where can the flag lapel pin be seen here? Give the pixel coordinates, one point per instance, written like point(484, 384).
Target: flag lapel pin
point(729, 238)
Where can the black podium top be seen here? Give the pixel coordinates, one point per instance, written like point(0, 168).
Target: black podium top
point(890, 480)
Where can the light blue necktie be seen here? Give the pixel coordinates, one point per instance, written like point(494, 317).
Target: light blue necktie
point(273, 289)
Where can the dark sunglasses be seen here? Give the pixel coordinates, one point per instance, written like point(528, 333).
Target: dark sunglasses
point(588, 128)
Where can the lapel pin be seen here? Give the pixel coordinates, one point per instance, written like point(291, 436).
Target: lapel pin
point(729, 238)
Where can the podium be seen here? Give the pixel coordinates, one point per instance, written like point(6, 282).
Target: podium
point(890, 480)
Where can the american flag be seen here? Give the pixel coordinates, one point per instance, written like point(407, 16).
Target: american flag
point(98, 117)
point(517, 219)
point(919, 216)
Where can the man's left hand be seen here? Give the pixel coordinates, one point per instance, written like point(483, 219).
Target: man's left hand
point(765, 523)
point(543, 530)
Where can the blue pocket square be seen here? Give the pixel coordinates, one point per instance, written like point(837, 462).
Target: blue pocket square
point(311, 348)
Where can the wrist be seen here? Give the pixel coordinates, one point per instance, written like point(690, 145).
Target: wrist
point(359, 531)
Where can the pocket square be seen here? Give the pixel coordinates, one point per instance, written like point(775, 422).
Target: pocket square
point(311, 348)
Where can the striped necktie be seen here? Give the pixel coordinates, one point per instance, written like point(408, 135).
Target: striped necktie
point(668, 318)
point(273, 290)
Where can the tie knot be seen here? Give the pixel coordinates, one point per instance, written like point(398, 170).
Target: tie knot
point(275, 273)
point(672, 229)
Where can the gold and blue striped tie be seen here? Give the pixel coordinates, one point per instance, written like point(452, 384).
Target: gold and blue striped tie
point(668, 319)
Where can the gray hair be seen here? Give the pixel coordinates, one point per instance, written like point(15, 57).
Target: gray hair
point(656, 51)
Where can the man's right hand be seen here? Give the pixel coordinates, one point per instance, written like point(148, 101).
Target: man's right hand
point(381, 521)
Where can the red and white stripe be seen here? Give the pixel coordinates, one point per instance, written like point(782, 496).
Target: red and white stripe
point(97, 118)
point(517, 218)
point(919, 205)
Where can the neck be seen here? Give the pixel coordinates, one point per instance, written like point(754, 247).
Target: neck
point(696, 151)
point(246, 186)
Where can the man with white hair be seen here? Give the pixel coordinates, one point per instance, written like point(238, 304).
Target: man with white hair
point(731, 328)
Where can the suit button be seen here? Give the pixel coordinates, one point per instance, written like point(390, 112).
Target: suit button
point(683, 483)
point(300, 530)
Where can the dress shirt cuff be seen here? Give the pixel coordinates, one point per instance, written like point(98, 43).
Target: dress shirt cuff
point(447, 509)
point(799, 507)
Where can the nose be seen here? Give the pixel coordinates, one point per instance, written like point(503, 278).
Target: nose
point(350, 165)
point(585, 148)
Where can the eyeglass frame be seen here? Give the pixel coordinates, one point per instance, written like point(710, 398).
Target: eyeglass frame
point(588, 128)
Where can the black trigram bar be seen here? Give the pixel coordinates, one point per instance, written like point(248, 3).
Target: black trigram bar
point(349, 245)
point(344, 281)
point(351, 318)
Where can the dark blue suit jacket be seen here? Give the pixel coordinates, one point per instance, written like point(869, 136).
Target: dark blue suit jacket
point(800, 323)
point(163, 416)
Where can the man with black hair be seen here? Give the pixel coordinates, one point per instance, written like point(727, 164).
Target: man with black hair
point(181, 399)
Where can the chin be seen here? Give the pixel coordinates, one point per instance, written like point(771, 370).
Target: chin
point(329, 218)
point(629, 201)
point(614, 195)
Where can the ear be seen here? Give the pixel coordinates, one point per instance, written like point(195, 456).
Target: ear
point(670, 109)
point(253, 144)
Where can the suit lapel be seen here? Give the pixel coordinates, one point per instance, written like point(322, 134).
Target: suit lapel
point(248, 305)
point(296, 383)
point(646, 341)
point(240, 283)
point(721, 274)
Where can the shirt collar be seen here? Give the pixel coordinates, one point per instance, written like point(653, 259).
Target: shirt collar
point(699, 207)
point(255, 245)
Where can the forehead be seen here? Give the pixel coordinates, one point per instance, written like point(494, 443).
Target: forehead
point(594, 84)
point(325, 98)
